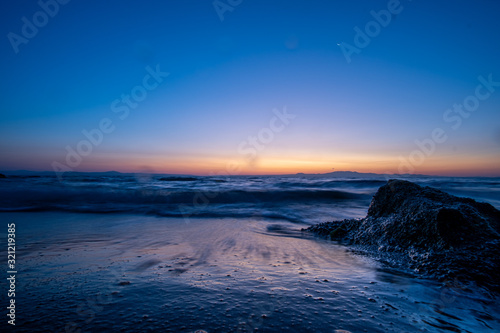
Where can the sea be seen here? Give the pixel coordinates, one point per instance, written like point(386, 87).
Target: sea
point(296, 198)
point(110, 252)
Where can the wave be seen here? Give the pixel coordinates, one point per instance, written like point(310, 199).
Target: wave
point(293, 199)
point(179, 211)
point(175, 202)
point(90, 195)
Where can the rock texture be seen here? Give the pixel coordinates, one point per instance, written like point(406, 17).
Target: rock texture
point(429, 231)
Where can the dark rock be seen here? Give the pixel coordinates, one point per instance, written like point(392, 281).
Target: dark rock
point(178, 179)
point(2, 175)
point(429, 231)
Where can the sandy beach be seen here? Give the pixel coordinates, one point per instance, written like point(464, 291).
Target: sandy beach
point(94, 272)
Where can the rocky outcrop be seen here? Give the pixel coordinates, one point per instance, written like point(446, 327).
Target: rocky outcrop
point(429, 231)
point(2, 175)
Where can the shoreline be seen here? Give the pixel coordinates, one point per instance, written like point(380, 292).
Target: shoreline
point(142, 273)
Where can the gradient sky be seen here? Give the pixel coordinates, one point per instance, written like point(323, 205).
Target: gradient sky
point(227, 76)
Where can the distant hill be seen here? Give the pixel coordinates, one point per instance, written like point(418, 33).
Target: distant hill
point(334, 174)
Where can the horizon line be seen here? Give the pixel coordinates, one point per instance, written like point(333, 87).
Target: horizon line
point(13, 172)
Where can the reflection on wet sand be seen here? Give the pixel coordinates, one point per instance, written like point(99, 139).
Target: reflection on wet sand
point(138, 273)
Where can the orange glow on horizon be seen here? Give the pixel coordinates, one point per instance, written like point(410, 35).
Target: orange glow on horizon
point(266, 165)
point(479, 164)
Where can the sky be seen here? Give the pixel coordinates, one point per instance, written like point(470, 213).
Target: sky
point(251, 87)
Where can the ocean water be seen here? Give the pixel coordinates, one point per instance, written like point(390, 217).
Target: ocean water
point(122, 253)
point(304, 199)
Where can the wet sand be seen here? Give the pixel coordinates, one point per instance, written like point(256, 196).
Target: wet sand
point(148, 274)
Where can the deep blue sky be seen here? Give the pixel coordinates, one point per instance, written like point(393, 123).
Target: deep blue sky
point(226, 77)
